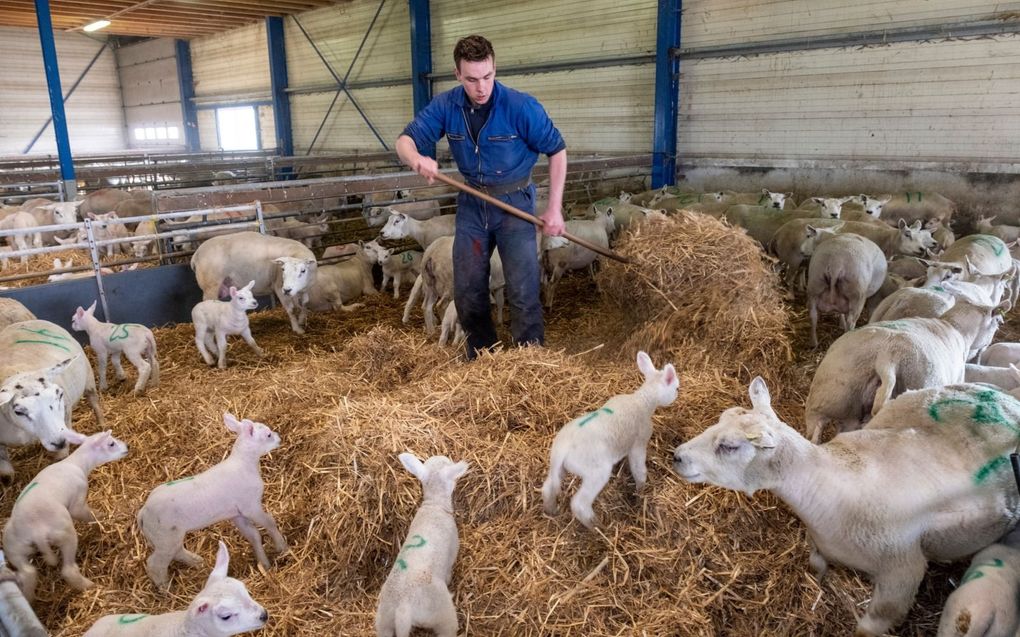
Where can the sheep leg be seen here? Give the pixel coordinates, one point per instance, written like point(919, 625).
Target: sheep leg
point(143, 367)
point(636, 462)
point(70, 571)
point(250, 533)
point(288, 307)
point(886, 370)
point(412, 299)
point(250, 340)
point(101, 364)
point(819, 565)
point(80, 510)
point(429, 309)
point(92, 396)
point(200, 339)
point(157, 564)
point(856, 309)
point(386, 278)
point(581, 503)
point(500, 297)
point(444, 621)
point(813, 313)
point(262, 518)
point(118, 368)
point(19, 554)
point(895, 590)
point(221, 349)
point(187, 558)
point(396, 284)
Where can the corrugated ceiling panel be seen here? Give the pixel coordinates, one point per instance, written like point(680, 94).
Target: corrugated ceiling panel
point(534, 31)
point(718, 22)
point(95, 119)
point(233, 62)
point(933, 101)
point(338, 32)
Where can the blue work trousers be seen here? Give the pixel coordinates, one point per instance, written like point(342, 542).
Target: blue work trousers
point(481, 228)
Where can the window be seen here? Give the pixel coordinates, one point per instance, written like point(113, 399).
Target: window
point(139, 134)
point(171, 132)
point(237, 128)
point(150, 132)
point(161, 132)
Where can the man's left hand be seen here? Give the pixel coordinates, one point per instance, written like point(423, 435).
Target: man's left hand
point(554, 225)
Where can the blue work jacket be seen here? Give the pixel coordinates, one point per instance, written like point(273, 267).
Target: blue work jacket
point(518, 129)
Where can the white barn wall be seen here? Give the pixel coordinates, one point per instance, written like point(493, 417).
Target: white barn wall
point(95, 118)
point(151, 91)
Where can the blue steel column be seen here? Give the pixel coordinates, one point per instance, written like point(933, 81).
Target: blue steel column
point(49, 52)
point(421, 59)
point(278, 79)
point(187, 84)
point(667, 94)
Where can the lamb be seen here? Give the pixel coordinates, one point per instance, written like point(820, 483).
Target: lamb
point(245, 256)
point(450, 329)
point(942, 234)
point(106, 227)
point(1007, 233)
point(1005, 378)
point(21, 221)
point(143, 247)
point(221, 597)
point(342, 282)
point(394, 266)
point(44, 513)
point(1001, 355)
point(560, 256)
point(419, 210)
point(844, 272)
point(231, 490)
point(43, 374)
point(11, 311)
point(416, 592)
point(927, 480)
point(134, 341)
point(54, 213)
point(309, 233)
point(590, 445)
point(215, 320)
point(985, 603)
point(400, 226)
point(864, 369)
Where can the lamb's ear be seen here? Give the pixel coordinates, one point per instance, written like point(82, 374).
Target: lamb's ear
point(454, 471)
point(233, 292)
point(760, 397)
point(761, 436)
point(250, 285)
point(79, 312)
point(413, 464)
point(74, 437)
point(644, 363)
point(92, 308)
point(219, 571)
point(6, 395)
point(670, 374)
point(231, 422)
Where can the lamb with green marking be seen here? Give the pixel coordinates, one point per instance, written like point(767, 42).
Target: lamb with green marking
point(416, 591)
point(134, 341)
point(222, 608)
point(44, 513)
point(43, 375)
point(231, 490)
point(928, 479)
point(589, 446)
point(987, 603)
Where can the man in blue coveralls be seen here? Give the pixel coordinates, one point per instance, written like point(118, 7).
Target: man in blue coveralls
point(495, 135)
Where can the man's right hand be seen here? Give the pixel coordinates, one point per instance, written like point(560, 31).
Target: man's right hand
point(426, 167)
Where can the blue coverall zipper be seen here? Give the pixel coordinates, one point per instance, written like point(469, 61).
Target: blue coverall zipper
point(485, 210)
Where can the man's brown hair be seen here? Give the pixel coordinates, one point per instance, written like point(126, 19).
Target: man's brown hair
point(473, 48)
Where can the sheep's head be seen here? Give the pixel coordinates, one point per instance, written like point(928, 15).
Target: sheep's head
point(256, 436)
point(34, 402)
point(774, 199)
point(396, 226)
point(737, 452)
point(224, 607)
point(297, 274)
point(438, 474)
point(664, 383)
point(915, 241)
point(243, 297)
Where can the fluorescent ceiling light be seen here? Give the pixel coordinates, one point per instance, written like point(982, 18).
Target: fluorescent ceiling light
point(97, 25)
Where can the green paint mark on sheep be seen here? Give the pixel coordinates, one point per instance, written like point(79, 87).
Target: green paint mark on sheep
point(590, 417)
point(975, 572)
point(48, 338)
point(31, 485)
point(987, 408)
point(130, 619)
point(173, 482)
point(413, 543)
point(989, 468)
point(939, 288)
point(121, 332)
point(994, 244)
point(407, 257)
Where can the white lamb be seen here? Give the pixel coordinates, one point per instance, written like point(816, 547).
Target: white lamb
point(231, 490)
point(21, 221)
point(215, 320)
point(590, 445)
point(987, 603)
point(134, 341)
point(394, 266)
point(44, 513)
point(416, 591)
point(223, 607)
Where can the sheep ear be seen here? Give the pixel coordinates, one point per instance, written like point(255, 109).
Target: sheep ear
point(644, 363)
point(455, 471)
point(231, 422)
point(233, 292)
point(901, 224)
point(250, 285)
point(413, 464)
point(761, 436)
point(51, 373)
point(760, 397)
point(6, 396)
point(280, 260)
point(670, 372)
point(818, 200)
point(92, 308)
point(75, 438)
point(219, 571)
point(916, 225)
point(811, 231)
point(79, 312)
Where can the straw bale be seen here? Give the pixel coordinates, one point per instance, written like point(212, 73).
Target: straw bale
point(359, 388)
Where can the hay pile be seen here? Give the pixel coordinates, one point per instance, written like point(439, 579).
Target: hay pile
point(42, 264)
point(358, 389)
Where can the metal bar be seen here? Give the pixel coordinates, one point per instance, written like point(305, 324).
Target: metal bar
point(316, 49)
point(97, 268)
point(49, 53)
point(861, 38)
point(70, 92)
point(552, 67)
point(259, 218)
point(185, 80)
point(667, 94)
point(325, 117)
point(421, 60)
point(278, 82)
point(326, 88)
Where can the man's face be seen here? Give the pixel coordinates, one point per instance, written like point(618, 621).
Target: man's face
point(477, 78)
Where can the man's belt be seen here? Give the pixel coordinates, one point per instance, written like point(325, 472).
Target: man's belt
point(502, 189)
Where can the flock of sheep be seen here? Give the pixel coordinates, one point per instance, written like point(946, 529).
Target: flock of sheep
point(906, 404)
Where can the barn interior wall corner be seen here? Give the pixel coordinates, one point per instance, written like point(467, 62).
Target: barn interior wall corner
point(49, 51)
point(189, 113)
point(667, 93)
point(278, 80)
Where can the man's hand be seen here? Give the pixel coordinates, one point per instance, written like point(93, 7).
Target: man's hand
point(426, 167)
point(554, 225)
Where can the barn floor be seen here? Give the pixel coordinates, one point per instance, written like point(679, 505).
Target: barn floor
point(358, 389)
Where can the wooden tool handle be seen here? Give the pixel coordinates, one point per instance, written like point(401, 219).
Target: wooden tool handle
point(530, 218)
